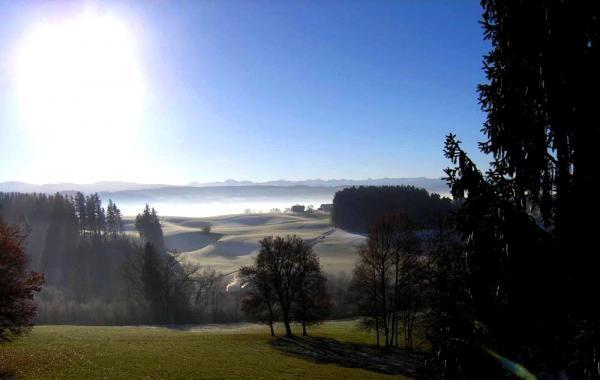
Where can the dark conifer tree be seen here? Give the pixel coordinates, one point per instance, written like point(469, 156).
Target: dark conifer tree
point(532, 282)
point(110, 218)
point(148, 225)
point(101, 215)
point(80, 209)
point(90, 213)
point(114, 221)
point(152, 281)
point(118, 219)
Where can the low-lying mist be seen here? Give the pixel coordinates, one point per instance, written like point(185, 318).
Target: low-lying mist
point(224, 207)
point(215, 201)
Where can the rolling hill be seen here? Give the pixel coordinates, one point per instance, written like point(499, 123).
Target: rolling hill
point(233, 239)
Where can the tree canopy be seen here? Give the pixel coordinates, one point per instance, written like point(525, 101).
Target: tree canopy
point(358, 208)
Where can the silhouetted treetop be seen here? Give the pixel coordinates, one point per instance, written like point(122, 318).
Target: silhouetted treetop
point(148, 225)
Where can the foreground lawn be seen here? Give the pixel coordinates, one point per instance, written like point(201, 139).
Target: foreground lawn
point(146, 352)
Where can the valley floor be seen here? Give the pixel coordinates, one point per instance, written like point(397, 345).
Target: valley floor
point(233, 239)
point(241, 351)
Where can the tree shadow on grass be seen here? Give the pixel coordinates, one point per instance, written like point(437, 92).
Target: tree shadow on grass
point(353, 355)
point(6, 374)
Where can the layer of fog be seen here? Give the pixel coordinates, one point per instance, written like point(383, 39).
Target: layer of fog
point(217, 208)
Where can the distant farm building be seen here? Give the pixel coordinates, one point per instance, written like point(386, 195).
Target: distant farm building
point(326, 207)
point(298, 208)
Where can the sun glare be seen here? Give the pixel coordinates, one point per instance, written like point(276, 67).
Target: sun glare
point(77, 79)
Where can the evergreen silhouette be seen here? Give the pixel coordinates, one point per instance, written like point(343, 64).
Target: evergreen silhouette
point(530, 269)
point(148, 225)
point(358, 208)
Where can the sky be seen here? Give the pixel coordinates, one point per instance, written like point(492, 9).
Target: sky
point(175, 92)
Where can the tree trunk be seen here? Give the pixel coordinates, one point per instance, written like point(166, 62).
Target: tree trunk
point(375, 309)
point(288, 329)
point(384, 311)
point(271, 319)
point(395, 304)
point(304, 328)
point(286, 322)
point(412, 325)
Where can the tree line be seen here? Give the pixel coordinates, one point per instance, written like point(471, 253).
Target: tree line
point(77, 246)
point(93, 218)
point(65, 235)
point(88, 262)
point(358, 208)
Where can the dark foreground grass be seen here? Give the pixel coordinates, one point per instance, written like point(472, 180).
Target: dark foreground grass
point(78, 352)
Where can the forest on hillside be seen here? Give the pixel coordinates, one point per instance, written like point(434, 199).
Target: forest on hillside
point(95, 273)
point(76, 243)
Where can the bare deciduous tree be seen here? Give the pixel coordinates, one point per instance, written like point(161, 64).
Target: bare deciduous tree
point(287, 274)
point(259, 301)
point(386, 278)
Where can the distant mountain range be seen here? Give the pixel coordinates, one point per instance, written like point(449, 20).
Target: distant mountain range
point(110, 186)
point(435, 185)
point(417, 181)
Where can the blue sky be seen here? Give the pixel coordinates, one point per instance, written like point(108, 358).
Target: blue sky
point(263, 90)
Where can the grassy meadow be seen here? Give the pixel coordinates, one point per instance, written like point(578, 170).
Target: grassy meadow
point(241, 351)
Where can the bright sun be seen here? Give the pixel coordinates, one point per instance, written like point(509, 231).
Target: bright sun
point(78, 82)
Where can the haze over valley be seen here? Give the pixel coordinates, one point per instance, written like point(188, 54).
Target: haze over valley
point(220, 198)
point(233, 240)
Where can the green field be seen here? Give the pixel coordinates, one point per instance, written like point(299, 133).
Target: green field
point(240, 351)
